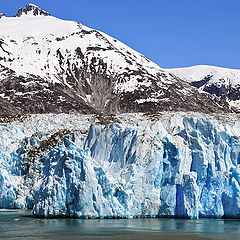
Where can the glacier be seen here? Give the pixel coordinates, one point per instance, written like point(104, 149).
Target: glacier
point(125, 166)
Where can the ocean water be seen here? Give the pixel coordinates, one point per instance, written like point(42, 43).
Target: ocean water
point(19, 224)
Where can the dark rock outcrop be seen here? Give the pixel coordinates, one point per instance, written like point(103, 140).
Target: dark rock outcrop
point(36, 11)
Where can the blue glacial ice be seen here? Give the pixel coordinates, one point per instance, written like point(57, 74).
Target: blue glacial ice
point(170, 165)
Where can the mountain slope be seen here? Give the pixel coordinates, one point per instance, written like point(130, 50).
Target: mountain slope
point(51, 65)
point(222, 82)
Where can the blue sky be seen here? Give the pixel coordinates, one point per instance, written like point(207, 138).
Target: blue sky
point(172, 33)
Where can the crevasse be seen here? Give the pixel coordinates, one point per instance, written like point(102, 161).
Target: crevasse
point(173, 165)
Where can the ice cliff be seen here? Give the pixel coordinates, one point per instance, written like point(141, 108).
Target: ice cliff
point(132, 165)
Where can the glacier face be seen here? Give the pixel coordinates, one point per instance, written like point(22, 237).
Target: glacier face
point(135, 165)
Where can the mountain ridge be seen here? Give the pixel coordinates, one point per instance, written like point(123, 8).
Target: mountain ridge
point(219, 81)
point(64, 66)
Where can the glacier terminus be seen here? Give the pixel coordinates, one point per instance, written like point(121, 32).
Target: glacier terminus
point(125, 166)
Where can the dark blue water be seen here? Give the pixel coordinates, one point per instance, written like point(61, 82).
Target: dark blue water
point(20, 224)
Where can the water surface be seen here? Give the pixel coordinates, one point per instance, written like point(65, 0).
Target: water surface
point(19, 224)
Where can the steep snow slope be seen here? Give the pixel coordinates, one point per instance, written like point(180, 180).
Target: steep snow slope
point(54, 65)
point(137, 165)
point(222, 82)
point(43, 33)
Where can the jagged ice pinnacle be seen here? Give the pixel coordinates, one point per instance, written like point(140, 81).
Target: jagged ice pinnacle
point(137, 166)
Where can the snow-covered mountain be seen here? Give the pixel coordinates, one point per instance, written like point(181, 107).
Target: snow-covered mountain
point(51, 65)
point(222, 82)
point(168, 164)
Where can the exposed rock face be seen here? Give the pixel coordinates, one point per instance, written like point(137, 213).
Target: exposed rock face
point(63, 66)
point(7, 109)
point(31, 9)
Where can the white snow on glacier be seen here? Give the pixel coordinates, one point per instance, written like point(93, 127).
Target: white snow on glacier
point(131, 165)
